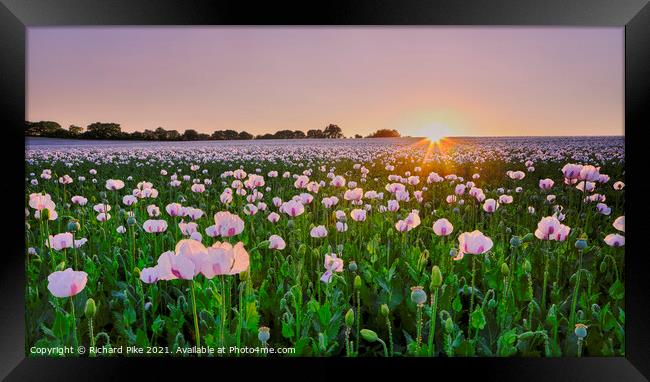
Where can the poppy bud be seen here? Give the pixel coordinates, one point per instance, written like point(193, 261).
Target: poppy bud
point(369, 335)
point(449, 325)
point(492, 303)
point(581, 331)
point(352, 266)
point(581, 244)
point(349, 318)
point(263, 334)
point(102, 194)
point(436, 277)
point(147, 305)
point(603, 266)
point(456, 210)
point(130, 220)
point(418, 295)
point(389, 233)
point(302, 250)
point(515, 241)
point(384, 310)
point(73, 226)
point(527, 267)
point(357, 282)
point(504, 269)
point(90, 309)
point(526, 335)
point(45, 214)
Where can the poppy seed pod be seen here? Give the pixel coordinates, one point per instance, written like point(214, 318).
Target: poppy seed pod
point(384, 310)
point(349, 318)
point(357, 282)
point(418, 295)
point(581, 331)
point(369, 335)
point(436, 277)
point(263, 334)
point(130, 220)
point(581, 244)
point(90, 308)
point(352, 266)
point(453, 252)
point(515, 241)
point(290, 224)
point(73, 226)
point(508, 230)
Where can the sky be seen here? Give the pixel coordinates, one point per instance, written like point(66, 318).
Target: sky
point(422, 81)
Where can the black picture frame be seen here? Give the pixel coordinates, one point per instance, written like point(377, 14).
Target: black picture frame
point(18, 15)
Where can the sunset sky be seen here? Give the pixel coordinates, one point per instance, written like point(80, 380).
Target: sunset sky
point(472, 81)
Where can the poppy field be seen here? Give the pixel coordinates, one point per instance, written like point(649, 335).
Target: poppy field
point(492, 247)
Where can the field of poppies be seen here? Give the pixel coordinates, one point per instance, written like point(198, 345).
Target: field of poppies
point(375, 247)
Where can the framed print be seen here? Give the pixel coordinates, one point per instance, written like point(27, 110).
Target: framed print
point(359, 187)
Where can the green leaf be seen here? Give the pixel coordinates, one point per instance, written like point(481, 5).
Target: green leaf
point(478, 318)
point(617, 290)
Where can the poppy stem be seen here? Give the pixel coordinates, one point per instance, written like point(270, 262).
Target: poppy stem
point(74, 324)
point(432, 322)
point(196, 321)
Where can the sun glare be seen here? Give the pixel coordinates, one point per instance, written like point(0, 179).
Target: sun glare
point(436, 131)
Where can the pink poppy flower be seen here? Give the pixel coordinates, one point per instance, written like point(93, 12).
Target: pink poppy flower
point(550, 228)
point(292, 208)
point(318, 232)
point(474, 243)
point(114, 184)
point(619, 223)
point(273, 217)
point(276, 242)
point(358, 215)
point(332, 264)
point(546, 184)
point(66, 283)
point(490, 205)
point(225, 259)
point(80, 200)
point(154, 226)
point(615, 240)
point(442, 227)
point(571, 171)
point(171, 267)
point(60, 241)
point(228, 224)
point(174, 209)
point(149, 275)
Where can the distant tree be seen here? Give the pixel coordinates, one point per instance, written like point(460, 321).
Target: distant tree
point(315, 133)
point(150, 135)
point(283, 134)
point(173, 135)
point(299, 134)
point(75, 130)
point(203, 137)
point(230, 135)
point(219, 135)
point(266, 136)
point(244, 135)
point(136, 136)
point(101, 130)
point(385, 133)
point(358, 136)
point(333, 132)
point(160, 134)
point(42, 128)
point(190, 135)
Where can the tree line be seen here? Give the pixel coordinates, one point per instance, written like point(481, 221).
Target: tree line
point(113, 131)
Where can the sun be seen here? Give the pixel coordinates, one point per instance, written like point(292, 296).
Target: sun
point(435, 131)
